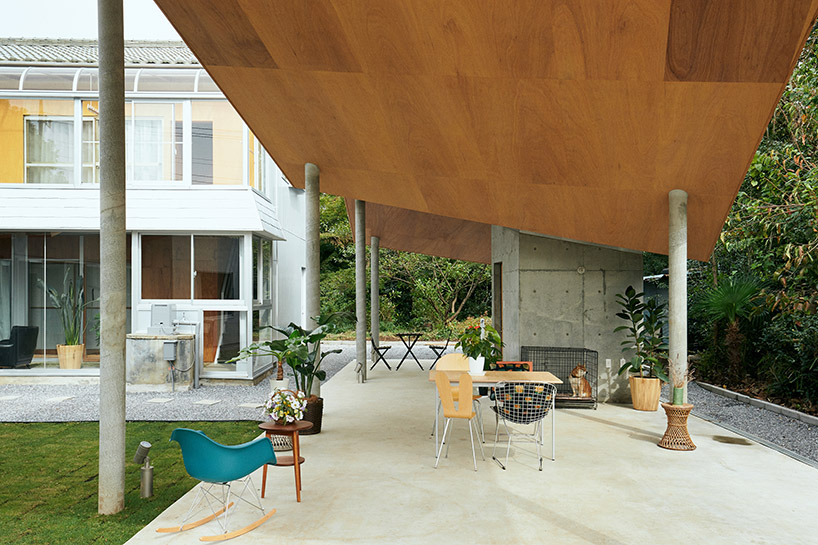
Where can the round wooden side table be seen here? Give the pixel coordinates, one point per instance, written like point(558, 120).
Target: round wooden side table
point(290, 430)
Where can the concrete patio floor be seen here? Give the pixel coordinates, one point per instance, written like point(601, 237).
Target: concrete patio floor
point(369, 478)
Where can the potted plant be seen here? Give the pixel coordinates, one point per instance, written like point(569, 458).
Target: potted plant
point(71, 305)
point(300, 349)
point(644, 339)
point(482, 345)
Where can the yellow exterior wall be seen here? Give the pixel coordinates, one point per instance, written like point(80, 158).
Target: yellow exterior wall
point(12, 132)
point(227, 137)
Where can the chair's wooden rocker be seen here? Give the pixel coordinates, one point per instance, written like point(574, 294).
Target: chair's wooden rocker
point(220, 465)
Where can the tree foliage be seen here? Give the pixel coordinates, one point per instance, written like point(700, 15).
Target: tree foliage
point(416, 290)
point(771, 235)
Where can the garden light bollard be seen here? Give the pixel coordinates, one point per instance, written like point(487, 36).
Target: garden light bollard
point(146, 477)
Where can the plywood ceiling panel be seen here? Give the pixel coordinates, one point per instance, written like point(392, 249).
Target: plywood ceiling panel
point(411, 231)
point(571, 118)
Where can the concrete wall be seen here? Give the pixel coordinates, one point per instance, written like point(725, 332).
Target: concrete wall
point(565, 295)
point(145, 361)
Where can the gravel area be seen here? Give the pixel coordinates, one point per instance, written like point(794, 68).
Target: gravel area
point(793, 435)
point(71, 403)
point(80, 403)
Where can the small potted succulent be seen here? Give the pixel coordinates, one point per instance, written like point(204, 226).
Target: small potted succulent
point(286, 406)
point(482, 345)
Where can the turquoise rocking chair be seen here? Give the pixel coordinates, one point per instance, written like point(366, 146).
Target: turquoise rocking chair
point(220, 465)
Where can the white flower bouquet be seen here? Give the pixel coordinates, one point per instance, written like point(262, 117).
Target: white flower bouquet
point(286, 406)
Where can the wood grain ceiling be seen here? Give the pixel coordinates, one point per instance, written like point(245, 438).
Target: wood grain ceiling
point(411, 231)
point(571, 118)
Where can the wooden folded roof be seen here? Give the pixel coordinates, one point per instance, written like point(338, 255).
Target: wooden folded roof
point(571, 118)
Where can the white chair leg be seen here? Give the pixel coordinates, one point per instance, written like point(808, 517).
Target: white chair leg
point(553, 433)
point(482, 452)
point(471, 437)
point(443, 440)
point(508, 448)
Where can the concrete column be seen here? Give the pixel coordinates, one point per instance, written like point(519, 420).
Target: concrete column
point(313, 236)
point(360, 288)
point(677, 292)
point(312, 233)
point(113, 270)
point(374, 291)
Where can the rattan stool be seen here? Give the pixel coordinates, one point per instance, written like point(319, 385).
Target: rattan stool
point(676, 436)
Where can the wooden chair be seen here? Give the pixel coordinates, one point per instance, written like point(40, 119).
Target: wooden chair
point(215, 464)
point(459, 362)
point(463, 411)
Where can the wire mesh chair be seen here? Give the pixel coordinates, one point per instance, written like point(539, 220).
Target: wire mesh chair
point(525, 403)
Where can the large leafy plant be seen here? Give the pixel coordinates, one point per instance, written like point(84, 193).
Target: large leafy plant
point(300, 349)
point(644, 334)
point(71, 305)
point(474, 343)
point(726, 304)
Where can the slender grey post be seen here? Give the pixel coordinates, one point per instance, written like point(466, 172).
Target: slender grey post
point(374, 292)
point(113, 271)
point(313, 236)
point(360, 287)
point(677, 292)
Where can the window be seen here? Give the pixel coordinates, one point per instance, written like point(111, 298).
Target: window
point(49, 150)
point(165, 267)
point(151, 141)
point(216, 268)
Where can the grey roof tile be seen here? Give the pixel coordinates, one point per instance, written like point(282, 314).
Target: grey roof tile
point(84, 52)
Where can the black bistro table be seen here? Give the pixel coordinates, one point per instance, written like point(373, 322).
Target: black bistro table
point(409, 340)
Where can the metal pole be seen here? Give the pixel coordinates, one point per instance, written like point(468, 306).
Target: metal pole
point(113, 271)
point(360, 287)
point(677, 291)
point(313, 239)
point(374, 292)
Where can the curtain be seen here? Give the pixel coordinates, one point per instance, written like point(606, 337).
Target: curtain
point(49, 151)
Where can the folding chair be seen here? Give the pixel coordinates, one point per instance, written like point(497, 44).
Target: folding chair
point(440, 350)
point(215, 464)
point(379, 354)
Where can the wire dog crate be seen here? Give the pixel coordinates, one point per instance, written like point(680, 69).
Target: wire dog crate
point(561, 362)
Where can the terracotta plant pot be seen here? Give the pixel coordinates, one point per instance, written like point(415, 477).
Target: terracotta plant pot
point(645, 393)
point(70, 355)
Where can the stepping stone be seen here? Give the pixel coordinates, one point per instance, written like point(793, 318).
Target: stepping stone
point(9, 398)
point(207, 402)
point(252, 405)
point(160, 400)
point(58, 399)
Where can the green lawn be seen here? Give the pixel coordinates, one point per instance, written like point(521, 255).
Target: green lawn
point(49, 479)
